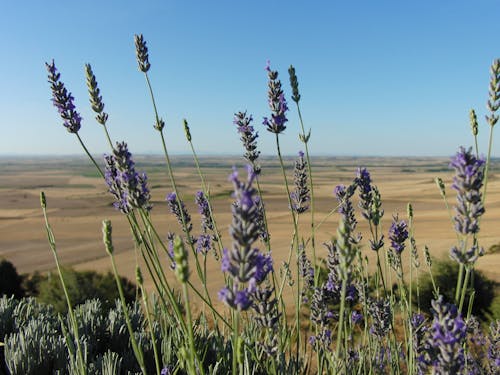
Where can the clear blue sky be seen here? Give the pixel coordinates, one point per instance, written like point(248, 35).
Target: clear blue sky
point(376, 77)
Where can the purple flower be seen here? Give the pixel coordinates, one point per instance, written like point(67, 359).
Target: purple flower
point(356, 317)
point(141, 51)
point(178, 208)
point(277, 103)
point(300, 196)
point(447, 336)
point(246, 266)
point(203, 243)
point(398, 234)
point(467, 182)
point(381, 314)
point(494, 348)
point(127, 186)
point(204, 210)
point(63, 100)
point(248, 136)
point(236, 299)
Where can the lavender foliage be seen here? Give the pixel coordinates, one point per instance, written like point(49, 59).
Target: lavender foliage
point(63, 100)
point(127, 186)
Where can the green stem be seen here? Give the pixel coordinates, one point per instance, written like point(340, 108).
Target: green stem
point(139, 355)
point(89, 155)
point(52, 244)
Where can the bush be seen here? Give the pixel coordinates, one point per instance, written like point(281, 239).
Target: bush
point(445, 274)
point(81, 286)
point(10, 281)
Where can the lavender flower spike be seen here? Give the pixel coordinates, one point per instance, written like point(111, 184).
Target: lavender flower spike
point(246, 266)
point(398, 234)
point(178, 208)
point(467, 182)
point(277, 103)
point(300, 196)
point(127, 186)
point(248, 137)
point(447, 336)
point(63, 100)
point(204, 210)
point(141, 51)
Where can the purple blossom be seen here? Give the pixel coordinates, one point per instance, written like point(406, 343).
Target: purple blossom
point(356, 317)
point(246, 266)
point(248, 136)
point(300, 197)
point(398, 234)
point(127, 186)
point(381, 314)
point(63, 100)
point(177, 207)
point(467, 182)
point(447, 336)
point(203, 243)
point(204, 210)
point(141, 51)
point(277, 103)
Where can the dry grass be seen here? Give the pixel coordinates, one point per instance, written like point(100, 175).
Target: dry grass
point(78, 202)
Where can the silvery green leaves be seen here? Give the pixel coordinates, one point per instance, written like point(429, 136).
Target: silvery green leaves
point(127, 186)
point(63, 100)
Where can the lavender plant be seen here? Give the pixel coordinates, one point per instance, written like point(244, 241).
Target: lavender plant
point(356, 321)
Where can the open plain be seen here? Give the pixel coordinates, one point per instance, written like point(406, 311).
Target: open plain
point(78, 201)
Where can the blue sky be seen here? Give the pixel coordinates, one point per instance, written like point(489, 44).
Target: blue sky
point(376, 77)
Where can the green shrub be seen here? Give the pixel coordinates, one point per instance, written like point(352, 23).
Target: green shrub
point(445, 274)
point(81, 286)
point(10, 281)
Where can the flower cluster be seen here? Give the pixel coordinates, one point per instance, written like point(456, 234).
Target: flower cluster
point(398, 234)
point(127, 186)
point(467, 182)
point(246, 266)
point(277, 103)
point(204, 210)
point(177, 207)
point(300, 196)
point(141, 51)
point(95, 96)
point(248, 136)
point(63, 100)
point(445, 343)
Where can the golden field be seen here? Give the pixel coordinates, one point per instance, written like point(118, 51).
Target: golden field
point(77, 203)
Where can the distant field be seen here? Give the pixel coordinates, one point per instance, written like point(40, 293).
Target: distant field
point(78, 202)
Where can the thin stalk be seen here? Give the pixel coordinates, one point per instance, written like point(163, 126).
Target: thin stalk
point(151, 330)
point(139, 355)
point(236, 328)
point(193, 354)
point(311, 184)
point(52, 244)
point(340, 329)
point(108, 137)
point(488, 161)
point(89, 155)
point(464, 289)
